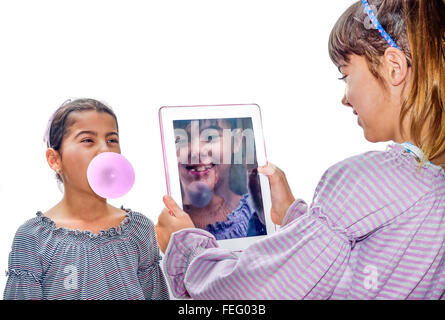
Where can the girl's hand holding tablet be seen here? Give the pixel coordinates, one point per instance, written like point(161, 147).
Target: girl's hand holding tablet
point(281, 195)
point(169, 223)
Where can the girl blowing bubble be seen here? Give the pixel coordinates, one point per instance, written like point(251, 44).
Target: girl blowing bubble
point(376, 225)
point(84, 248)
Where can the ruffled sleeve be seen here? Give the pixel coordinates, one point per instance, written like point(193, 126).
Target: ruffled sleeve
point(297, 208)
point(151, 278)
point(304, 260)
point(153, 282)
point(24, 267)
point(183, 247)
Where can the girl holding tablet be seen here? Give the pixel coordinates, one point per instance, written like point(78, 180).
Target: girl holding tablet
point(376, 226)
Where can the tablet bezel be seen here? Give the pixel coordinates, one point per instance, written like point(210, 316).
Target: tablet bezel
point(167, 114)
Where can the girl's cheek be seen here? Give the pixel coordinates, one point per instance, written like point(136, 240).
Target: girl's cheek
point(351, 94)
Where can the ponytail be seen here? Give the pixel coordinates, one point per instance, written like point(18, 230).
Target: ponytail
point(425, 27)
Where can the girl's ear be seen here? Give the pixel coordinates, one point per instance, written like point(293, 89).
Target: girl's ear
point(396, 66)
point(53, 159)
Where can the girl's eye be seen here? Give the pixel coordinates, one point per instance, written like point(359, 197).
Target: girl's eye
point(90, 140)
point(343, 78)
point(180, 140)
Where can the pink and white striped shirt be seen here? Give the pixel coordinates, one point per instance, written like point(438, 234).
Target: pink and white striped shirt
point(375, 230)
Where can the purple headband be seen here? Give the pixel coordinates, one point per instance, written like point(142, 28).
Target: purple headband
point(50, 121)
point(377, 24)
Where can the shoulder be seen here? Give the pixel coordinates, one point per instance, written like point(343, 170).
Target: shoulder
point(138, 221)
point(142, 236)
point(247, 205)
point(369, 190)
point(141, 222)
point(32, 232)
point(28, 247)
point(142, 230)
point(390, 173)
point(365, 164)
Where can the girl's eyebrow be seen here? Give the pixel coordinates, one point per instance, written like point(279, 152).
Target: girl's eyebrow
point(213, 127)
point(95, 133)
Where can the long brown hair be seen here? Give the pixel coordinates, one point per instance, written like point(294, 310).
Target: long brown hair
point(418, 28)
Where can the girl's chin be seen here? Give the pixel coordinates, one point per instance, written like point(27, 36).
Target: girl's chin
point(372, 138)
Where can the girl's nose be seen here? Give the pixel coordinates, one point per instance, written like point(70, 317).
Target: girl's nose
point(206, 151)
point(104, 147)
point(345, 101)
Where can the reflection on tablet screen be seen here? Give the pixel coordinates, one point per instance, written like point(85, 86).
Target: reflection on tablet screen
point(218, 174)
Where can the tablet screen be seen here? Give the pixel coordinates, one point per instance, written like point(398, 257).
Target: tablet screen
point(217, 167)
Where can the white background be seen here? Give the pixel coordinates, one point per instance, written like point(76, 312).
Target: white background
point(140, 55)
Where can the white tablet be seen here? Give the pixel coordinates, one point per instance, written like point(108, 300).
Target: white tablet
point(211, 155)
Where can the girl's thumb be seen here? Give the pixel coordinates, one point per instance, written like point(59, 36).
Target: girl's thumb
point(171, 205)
point(267, 170)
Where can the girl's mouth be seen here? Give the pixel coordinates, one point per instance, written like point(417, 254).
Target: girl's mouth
point(199, 169)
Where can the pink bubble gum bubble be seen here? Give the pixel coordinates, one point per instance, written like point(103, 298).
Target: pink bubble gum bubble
point(199, 193)
point(110, 175)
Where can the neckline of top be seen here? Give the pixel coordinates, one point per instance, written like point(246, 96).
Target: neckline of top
point(411, 158)
point(230, 217)
point(112, 231)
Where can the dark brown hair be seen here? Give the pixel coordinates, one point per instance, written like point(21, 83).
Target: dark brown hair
point(61, 121)
point(418, 28)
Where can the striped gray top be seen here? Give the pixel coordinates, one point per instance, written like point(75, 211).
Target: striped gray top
point(58, 263)
point(375, 230)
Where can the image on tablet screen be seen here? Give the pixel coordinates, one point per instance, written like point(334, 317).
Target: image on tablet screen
point(220, 186)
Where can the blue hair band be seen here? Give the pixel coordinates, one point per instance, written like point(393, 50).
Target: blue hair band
point(377, 24)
